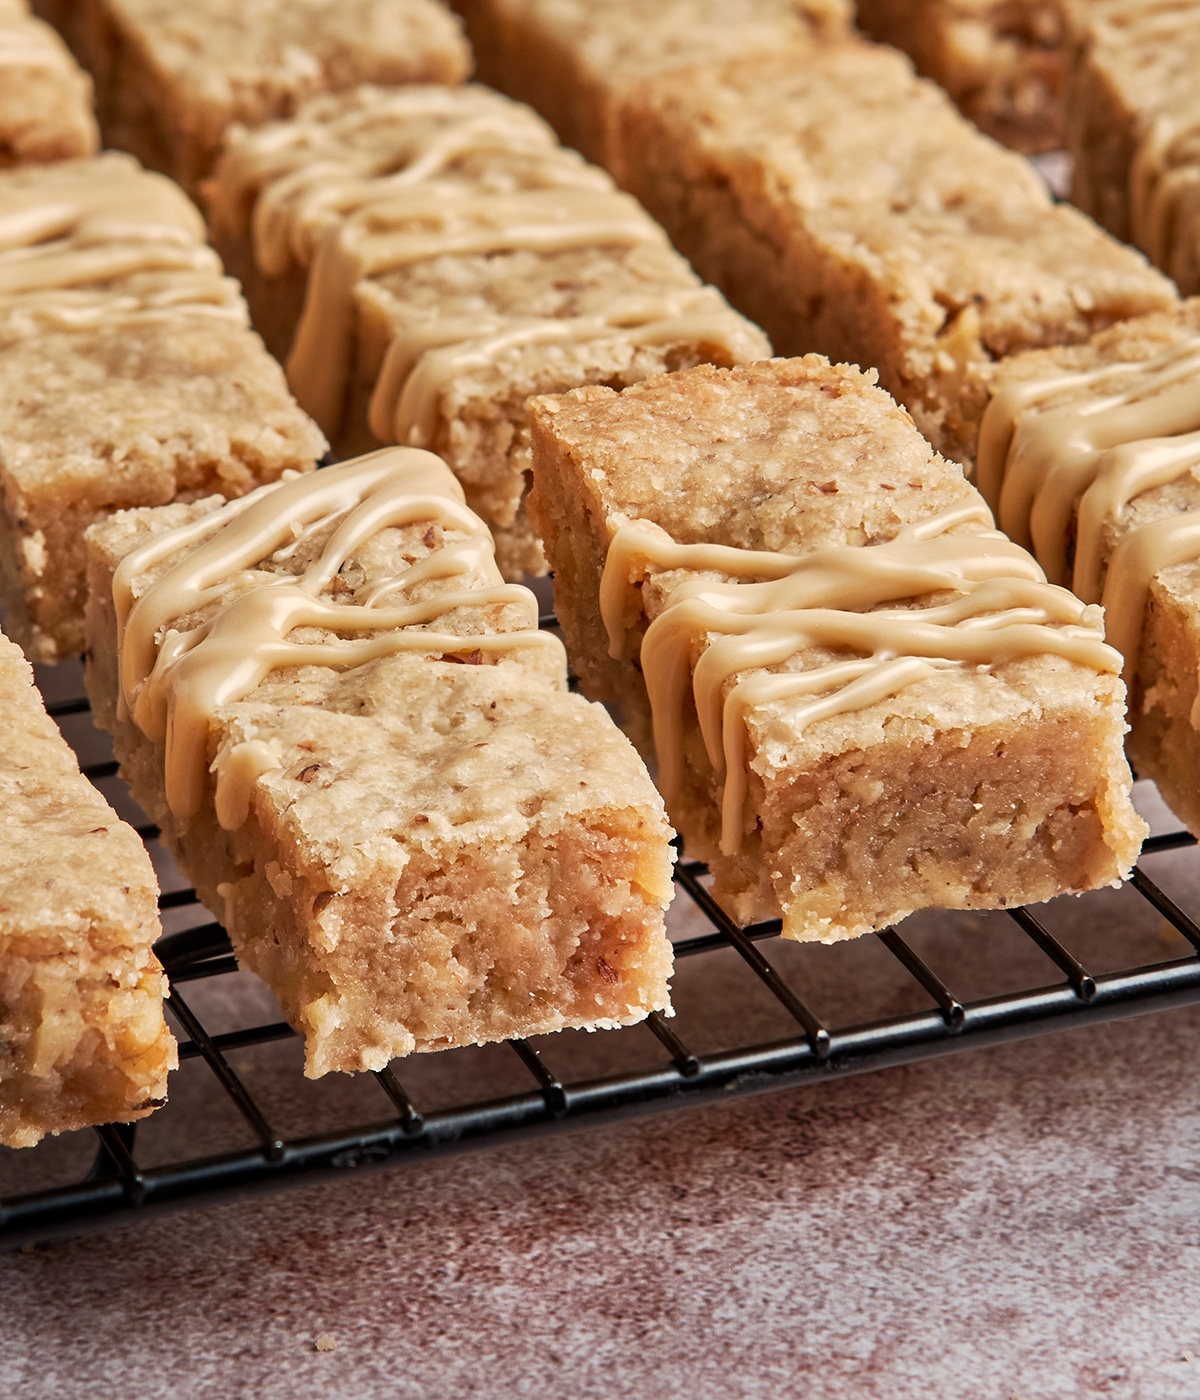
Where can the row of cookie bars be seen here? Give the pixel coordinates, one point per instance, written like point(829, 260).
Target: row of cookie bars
point(426, 259)
point(359, 753)
point(1112, 78)
point(842, 202)
point(286, 188)
point(357, 742)
point(304, 907)
point(110, 288)
point(844, 205)
point(129, 376)
point(480, 922)
point(362, 750)
point(1112, 81)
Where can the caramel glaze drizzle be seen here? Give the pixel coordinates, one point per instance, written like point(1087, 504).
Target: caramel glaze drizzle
point(1164, 176)
point(395, 180)
point(214, 625)
point(28, 43)
point(1164, 195)
point(300, 176)
point(832, 600)
point(91, 238)
point(432, 222)
point(420, 363)
point(1040, 460)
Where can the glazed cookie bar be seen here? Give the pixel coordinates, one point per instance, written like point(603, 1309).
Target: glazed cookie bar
point(573, 60)
point(1091, 457)
point(454, 259)
point(363, 751)
point(45, 98)
point(171, 78)
point(844, 204)
point(862, 698)
point(128, 376)
point(82, 1035)
point(1133, 127)
point(1002, 62)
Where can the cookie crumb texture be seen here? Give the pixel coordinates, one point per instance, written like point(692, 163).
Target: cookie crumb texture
point(843, 204)
point(463, 862)
point(575, 60)
point(1164, 709)
point(1002, 61)
point(45, 98)
point(171, 78)
point(452, 850)
point(82, 1035)
point(972, 789)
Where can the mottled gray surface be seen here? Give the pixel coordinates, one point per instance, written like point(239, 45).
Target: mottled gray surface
point(1022, 1221)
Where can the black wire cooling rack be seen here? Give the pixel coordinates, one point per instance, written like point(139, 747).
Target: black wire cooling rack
point(944, 984)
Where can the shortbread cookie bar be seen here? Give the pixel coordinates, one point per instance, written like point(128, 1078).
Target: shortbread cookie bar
point(864, 700)
point(1133, 127)
point(457, 259)
point(364, 753)
point(45, 97)
point(128, 376)
point(843, 203)
point(1091, 457)
point(574, 59)
point(1002, 61)
point(171, 78)
point(82, 1035)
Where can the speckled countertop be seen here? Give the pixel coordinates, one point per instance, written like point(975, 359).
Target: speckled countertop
point(1022, 1221)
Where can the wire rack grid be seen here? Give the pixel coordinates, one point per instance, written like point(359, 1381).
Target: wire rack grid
point(916, 995)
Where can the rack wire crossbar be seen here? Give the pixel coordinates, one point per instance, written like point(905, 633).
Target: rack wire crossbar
point(118, 1188)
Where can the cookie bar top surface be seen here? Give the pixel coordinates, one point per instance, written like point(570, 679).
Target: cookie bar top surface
point(1091, 457)
point(45, 98)
point(879, 527)
point(878, 166)
point(292, 179)
point(789, 455)
point(624, 42)
point(780, 459)
point(249, 60)
point(143, 409)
